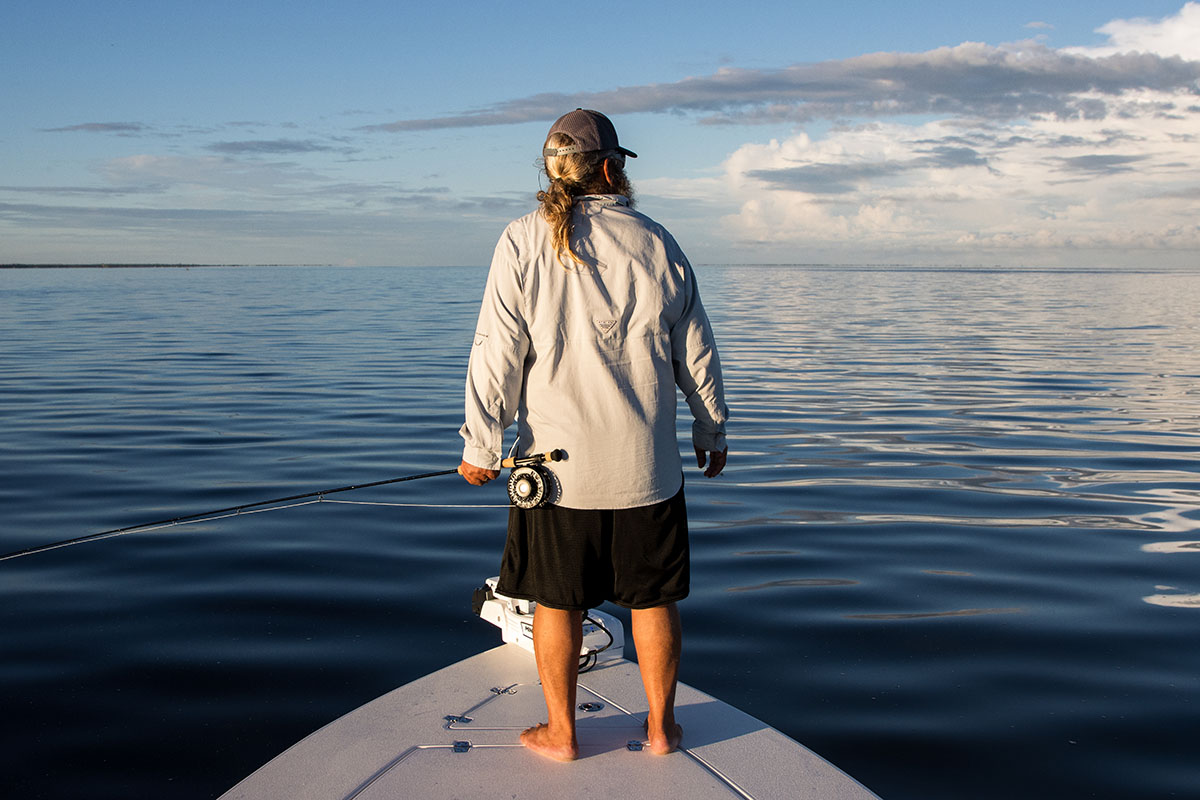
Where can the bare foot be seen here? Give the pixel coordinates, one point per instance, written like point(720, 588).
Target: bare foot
point(661, 743)
point(539, 740)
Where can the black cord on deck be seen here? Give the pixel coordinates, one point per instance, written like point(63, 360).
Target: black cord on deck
point(590, 660)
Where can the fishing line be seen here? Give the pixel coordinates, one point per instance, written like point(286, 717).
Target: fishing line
point(521, 498)
point(414, 505)
point(219, 513)
point(147, 528)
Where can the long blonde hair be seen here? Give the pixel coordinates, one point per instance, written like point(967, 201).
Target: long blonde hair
point(572, 175)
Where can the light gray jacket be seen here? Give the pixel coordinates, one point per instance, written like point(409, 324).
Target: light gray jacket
point(587, 358)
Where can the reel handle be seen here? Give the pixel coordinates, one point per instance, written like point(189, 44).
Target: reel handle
point(553, 455)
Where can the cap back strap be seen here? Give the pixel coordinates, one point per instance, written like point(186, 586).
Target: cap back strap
point(548, 152)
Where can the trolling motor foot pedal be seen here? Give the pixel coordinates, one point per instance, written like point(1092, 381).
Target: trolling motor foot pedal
point(603, 634)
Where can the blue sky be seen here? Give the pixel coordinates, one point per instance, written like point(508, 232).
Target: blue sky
point(382, 133)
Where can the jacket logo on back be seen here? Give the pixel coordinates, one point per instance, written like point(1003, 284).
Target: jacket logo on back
point(605, 325)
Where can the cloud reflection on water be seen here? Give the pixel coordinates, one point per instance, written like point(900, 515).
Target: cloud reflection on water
point(794, 582)
point(1171, 547)
point(1174, 600)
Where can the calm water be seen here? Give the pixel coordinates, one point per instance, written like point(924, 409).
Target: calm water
point(956, 550)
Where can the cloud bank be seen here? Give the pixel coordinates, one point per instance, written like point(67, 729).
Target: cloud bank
point(1041, 163)
point(1003, 82)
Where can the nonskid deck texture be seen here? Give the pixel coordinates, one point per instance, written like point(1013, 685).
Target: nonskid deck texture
point(454, 734)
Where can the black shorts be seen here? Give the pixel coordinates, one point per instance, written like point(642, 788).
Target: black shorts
point(576, 559)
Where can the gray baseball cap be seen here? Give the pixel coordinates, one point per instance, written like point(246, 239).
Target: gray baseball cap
point(592, 132)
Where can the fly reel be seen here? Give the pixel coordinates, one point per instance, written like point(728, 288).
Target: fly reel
point(529, 485)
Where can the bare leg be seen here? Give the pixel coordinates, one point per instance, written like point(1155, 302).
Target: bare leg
point(557, 637)
point(656, 634)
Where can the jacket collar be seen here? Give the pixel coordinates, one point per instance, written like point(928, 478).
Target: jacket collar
point(605, 199)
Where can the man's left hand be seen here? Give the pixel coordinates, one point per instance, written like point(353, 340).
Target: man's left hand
point(716, 461)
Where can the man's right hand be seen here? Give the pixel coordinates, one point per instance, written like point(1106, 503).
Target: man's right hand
point(477, 476)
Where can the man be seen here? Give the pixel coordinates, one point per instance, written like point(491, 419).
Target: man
point(590, 320)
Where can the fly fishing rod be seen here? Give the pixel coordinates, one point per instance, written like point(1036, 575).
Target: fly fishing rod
point(531, 486)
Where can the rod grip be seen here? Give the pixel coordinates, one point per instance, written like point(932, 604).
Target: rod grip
point(553, 455)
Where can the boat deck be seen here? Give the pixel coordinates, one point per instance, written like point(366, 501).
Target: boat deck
point(454, 734)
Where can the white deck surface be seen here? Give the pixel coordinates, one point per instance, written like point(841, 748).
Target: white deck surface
point(402, 745)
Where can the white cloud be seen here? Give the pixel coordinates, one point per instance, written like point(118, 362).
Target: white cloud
point(1178, 35)
point(951, 186)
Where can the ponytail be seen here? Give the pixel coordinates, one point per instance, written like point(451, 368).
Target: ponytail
point(571, 176)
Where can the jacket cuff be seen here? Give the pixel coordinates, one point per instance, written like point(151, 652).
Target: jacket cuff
point(708, 440)
point(484, 459)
